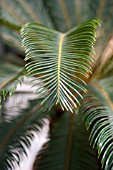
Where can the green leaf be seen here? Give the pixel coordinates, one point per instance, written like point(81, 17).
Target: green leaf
point(69, 148)
point(17, 133)
point(10, 76)
point(14, 14)
point(22, 11)
point(97, 110)
point(62, 61)
point(62, 13)
point(9, 25)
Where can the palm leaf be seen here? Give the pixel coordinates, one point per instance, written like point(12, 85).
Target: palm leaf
point(10, 25)
point(102, 62)
point(107, 85)
point(68, 148)
point(97, 110)
point(107, 70)
point(61, 61)
point(22, 11)
point(10, 76)
point(62, 13)
point(17, 133)
point(16, 13)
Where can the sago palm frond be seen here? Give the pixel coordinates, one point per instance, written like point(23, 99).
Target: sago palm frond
point(103, 61)
point(10, 25)
point(9, 36)
point(61, 61)
point(62, 14)
point(10, 76)
point(68, 148)
point(97, 110)
point(107, 85)
point(18, 133)
point(22, 11)
point(16, 13)
point(107, 70)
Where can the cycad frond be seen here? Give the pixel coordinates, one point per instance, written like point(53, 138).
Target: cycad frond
point(107, 85)
point(62, 14)
point(10, 37)
point(68, 148)
point(103, 63)
point(97, 110)
point(10, 77)
point(10, 25)
point(61, 61)
point(17, 13)
point(17, 133)
point(22, 11)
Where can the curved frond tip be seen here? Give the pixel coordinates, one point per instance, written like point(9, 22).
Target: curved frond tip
point(60, 61)
point(98, 117)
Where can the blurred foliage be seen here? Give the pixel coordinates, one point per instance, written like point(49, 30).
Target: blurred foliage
point(21, 114)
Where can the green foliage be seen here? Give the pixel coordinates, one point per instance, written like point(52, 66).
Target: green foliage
point(97, 113)
point(61, 65)
point(60, 60)
point(68, 148)
point(10, 77)
point(17, 133)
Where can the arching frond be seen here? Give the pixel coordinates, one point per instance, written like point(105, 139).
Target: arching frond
point(17, 133)
point(13, 14)
point(68, 148)
point(10, 77)
point(107, 85)
point(97, 110)
point(10, 25)
point(9, 36)
point(103, 64)
point(22, 11)
point(61, 61)
point(62, 14)
point(107, 70)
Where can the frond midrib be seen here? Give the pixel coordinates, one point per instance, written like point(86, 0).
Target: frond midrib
point(59, 62)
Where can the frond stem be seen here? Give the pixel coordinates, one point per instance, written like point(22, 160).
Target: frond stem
point(9, 25)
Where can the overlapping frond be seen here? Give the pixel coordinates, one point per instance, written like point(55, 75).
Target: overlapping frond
point(61, 61)
point(62, 14)
point(107, 84)
point(22, 11)
point(103, 63)
point(68, 148)
point(10, 37)
point(10, 77)
point(10, 25)
point(107, 69)
point(103, 10)
point(17, 133)
point(13, 14)
point(97, 110)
